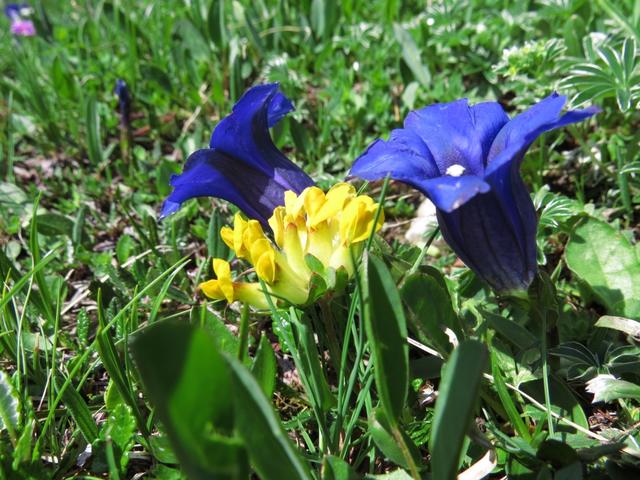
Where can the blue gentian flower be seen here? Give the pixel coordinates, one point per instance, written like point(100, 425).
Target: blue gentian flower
point(466, 159)
point(124, 101)
point(242, 165)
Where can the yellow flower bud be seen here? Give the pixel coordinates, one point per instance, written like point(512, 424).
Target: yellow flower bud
point(263, 258)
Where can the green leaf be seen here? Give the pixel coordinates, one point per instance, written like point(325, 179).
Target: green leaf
point(506, 400)
point(387, 333)
point(455, 406)
point(511, 331)
point(608, 263)
point(625, 325)
point(94, 142)
point(431, 310)
point(335, 468)
point(383, 436)
point(411, 55)
point(264, 366)
point(312, 374)
point(9, 406)
point(225, 341)
point(606, 388)
point(216, 23)
point(182, 371)
point(271, 452)
point(54, 224)
point(563, 401)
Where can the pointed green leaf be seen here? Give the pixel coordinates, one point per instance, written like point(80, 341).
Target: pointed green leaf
point(387, 333)
point(457, 399)
point(271, 452)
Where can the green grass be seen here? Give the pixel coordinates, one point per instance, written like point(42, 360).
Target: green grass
point(88, 271)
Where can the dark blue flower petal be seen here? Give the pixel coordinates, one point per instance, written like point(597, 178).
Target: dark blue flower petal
point(405, 157)
point(488, 119)
point(124, 101)
point(12, 10)
point(448, 193)
point(519, 133)
point(243, 166)
point(506, 153)
point(279, 107)
point(457, 134)
point(482, 235)
point(210, 173)
point(244, 135)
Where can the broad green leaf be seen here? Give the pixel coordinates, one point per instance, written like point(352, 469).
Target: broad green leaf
point(9, 406)
point(225, 341)
point(431, 310)
point(381, 432)
point(455, 407)
point(511, 331)
point(264, 366)
point(563, 401)
point(271, 452)
point(608, 263)
point(187, 380)
point(335, 468)
point(54, 224)
point(387, 333)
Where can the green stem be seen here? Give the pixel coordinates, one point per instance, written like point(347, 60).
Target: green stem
point(623, 181)
point(545, 372)
point(423, 253)
point(243, 333)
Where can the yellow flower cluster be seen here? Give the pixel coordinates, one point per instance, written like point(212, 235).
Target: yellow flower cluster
point(311, 227)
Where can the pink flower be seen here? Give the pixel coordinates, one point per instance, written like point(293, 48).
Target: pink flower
point(23, 28)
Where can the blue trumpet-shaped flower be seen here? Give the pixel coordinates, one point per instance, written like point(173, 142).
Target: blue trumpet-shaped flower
point(466, 159)
point(124, 101)
point(242, 165)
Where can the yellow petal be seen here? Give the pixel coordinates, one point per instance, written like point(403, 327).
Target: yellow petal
point(222, 269)
point(357, 219)
point(314, 199)
point(252, 233)
point(336, 199)
point(211, 289)
point(239, 226)
point(263, 257)
point(294, 204)
point(277, 224)
point(227, 235)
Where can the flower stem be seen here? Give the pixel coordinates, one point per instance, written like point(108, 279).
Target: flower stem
point(545, 372)
point(423, 253)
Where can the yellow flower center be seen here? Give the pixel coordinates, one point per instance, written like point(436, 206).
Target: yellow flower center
point(313, 233)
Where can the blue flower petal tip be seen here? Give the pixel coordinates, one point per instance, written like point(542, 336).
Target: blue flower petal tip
point(466, 159)
point(242, 165)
